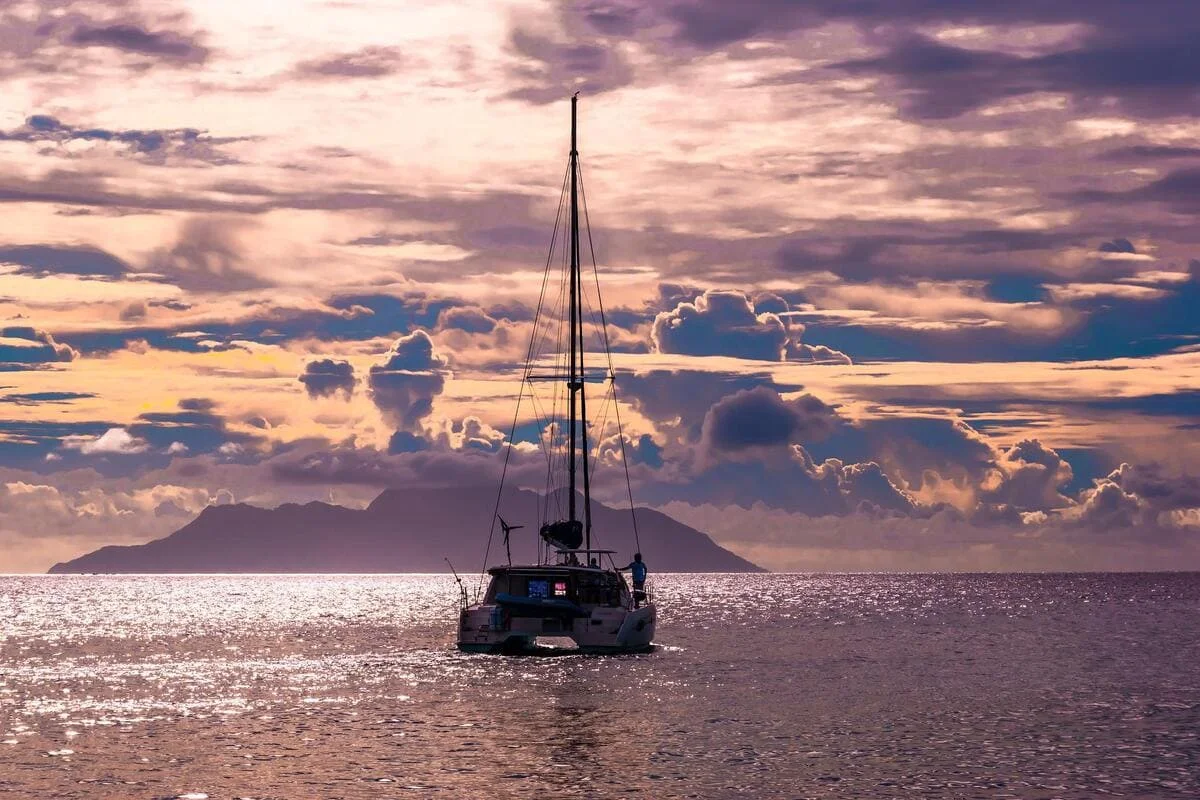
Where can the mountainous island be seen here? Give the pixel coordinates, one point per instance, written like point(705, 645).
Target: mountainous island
point(402, 530)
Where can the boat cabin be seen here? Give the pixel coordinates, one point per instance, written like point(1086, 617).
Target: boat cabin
point(581, 586)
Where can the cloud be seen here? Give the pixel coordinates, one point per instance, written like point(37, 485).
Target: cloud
point(365, 466)
point(368, 62)
point(158, 146)
point(720, 323)
point(1152, 75)
point(35, 398)
point(471, 433)
point(208, 255)
point(471, 320)
point(114, 441)
point(44, 259)
point(404, 385)
point(326, 377)
point(678, 401)
point(133, 312)
point(727, 323)
point(170, 46)
point(1029, 477)
point(20, 344)
point(550, 68)
point(759, 418)
point(1143, 152)
point(1117, 246)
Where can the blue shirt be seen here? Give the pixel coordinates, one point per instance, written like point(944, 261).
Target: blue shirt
point(639, 570)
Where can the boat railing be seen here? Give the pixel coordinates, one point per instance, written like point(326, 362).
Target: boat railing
point(645, 594)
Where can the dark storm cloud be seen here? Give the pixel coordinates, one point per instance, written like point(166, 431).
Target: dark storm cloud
point(369, 62)
point(1117, 246)
point(405, 384)
point(37, 259)
point(327, 377)
point(407, 442)
point(171, 46)
point(681, 398)
point(760, 418)
point(21, 345)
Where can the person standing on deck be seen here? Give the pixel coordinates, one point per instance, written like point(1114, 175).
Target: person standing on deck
point(637, 570)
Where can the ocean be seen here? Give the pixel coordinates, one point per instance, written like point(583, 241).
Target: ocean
point(763, 686)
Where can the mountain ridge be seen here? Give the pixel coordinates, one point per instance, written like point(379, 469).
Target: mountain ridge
point(401, 530)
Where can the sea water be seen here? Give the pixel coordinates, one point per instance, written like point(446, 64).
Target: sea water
point(789, 686)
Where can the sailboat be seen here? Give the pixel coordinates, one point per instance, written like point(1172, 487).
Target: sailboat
point(569, 592)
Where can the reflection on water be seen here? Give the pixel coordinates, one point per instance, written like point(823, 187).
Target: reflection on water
point(762, 686)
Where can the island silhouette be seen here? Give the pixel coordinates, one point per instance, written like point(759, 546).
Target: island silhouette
point(402, 530)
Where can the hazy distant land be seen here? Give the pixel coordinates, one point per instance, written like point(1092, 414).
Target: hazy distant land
point(402, 530)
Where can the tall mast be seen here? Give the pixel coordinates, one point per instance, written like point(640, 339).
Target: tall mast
point(576, 381)
point(572, 375)
point(583, 420)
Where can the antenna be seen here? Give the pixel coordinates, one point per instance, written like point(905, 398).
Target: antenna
point(461, 588)
point(507, 530)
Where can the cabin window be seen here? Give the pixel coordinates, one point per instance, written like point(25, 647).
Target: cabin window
point(499, 585)
point(538, 588)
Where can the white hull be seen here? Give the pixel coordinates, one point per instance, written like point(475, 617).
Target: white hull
point(487, 628)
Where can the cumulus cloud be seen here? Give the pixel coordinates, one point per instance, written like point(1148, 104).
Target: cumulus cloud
point(1028, 477)
point(327, 377)
point(728, 323)
point(720, 323)
point(1138, 494)
point(114, 441)
point(405, 384)
point(21, 344)
point(471, 434)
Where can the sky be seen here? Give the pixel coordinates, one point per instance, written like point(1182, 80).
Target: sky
point(891, 285)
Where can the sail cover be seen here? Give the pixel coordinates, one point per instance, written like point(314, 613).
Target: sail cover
point(565, 535)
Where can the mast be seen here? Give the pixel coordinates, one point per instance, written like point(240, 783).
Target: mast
point(572, 380)
point(583, 423)
point(575, 380)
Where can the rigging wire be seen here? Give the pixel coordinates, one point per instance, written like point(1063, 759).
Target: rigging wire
point(521, 390)
point(612, 374)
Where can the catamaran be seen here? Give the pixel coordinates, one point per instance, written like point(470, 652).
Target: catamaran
point(569, 593)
